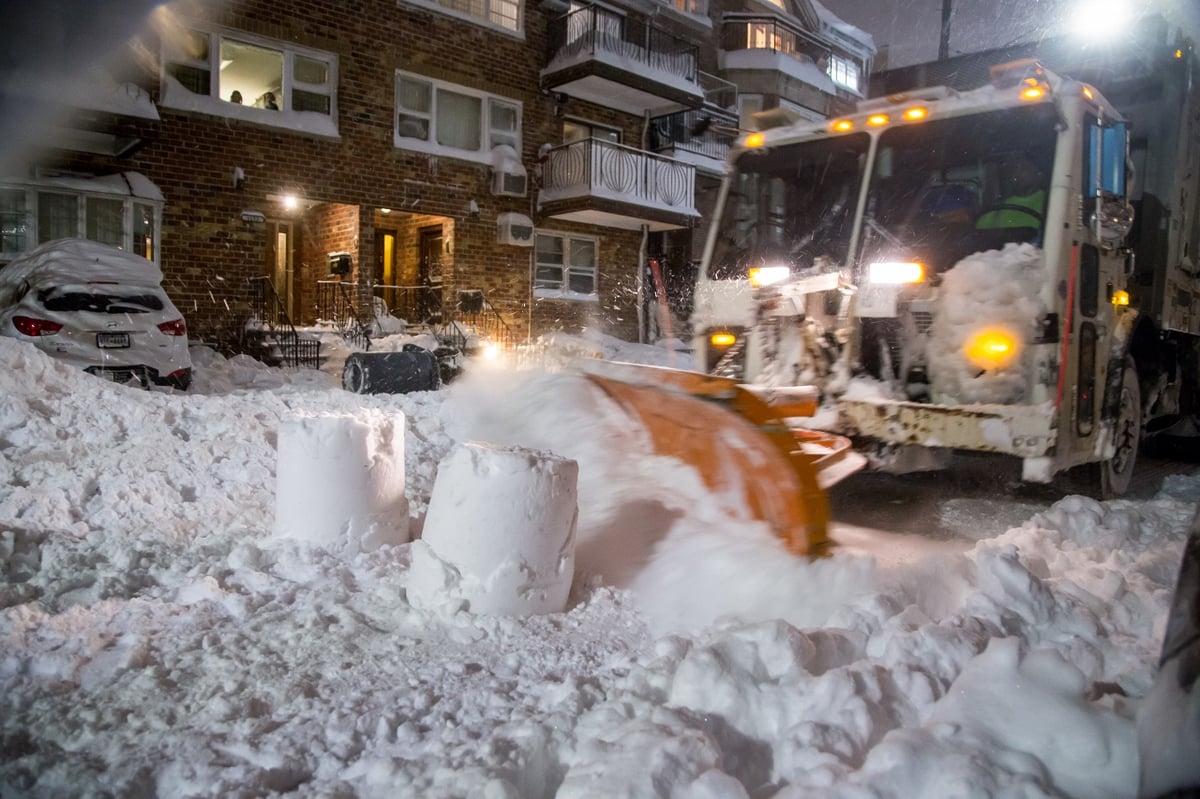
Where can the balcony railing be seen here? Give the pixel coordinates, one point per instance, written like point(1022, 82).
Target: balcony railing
point(692, 131)
point(718, 92)
point(591, 31)
point(603, 169)
point(768, 33)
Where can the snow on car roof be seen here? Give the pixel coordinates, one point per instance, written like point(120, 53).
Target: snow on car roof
point(78, 261)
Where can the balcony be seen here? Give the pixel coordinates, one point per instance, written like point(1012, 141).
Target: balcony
point(598, 182)
point(603, 57)
point(701, 137)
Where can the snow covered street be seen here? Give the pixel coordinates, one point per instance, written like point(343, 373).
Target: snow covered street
point(157, 638)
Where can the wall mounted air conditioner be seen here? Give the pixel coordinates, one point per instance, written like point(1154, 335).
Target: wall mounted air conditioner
point(515, 229)
point(510, 184)
point(508, 175)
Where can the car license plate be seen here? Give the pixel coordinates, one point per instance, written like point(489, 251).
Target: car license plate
point(112, 341)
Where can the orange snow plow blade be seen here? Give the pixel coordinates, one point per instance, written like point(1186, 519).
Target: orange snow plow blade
point(737, 438)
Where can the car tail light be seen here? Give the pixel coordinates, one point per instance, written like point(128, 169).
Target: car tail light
point(176, 327)
point(30, 326)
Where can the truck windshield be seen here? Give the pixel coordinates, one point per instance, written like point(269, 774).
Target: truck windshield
point(790, 206)
point(944, 189)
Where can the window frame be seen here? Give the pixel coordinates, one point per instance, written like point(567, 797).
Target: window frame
point(840, 67)
point(487, 132)
point(129, 207)
point(563, 290)
point(484, 21)
point(173, 94)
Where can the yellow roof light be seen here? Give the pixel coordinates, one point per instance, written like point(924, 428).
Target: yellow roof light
point(1179, 54)
point(1088, 93)
point(722, 339)
point(841, 126)
point(875, 120)
point(1120, 297)
point(755, 139)
point(916, 113)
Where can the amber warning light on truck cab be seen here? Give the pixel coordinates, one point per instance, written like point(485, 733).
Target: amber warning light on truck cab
point(768, 275)
point(991, 348)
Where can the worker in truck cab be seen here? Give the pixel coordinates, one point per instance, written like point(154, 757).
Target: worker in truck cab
point(1023, 197)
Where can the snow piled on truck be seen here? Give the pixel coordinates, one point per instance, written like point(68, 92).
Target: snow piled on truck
point(993, 289)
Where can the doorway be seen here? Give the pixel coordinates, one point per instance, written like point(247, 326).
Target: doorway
point(385, 267)
point(429, 273)
point(280, 263)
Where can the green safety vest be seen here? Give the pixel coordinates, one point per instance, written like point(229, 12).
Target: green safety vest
point(1010, 218)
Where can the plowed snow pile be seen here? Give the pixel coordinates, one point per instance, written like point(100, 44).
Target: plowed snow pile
point(155, 638)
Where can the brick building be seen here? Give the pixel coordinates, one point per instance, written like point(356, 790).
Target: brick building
point(551, 160)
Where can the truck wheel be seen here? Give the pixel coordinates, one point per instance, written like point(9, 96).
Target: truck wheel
point(1117, 471)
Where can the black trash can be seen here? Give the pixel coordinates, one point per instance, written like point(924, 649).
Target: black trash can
point(412, 369)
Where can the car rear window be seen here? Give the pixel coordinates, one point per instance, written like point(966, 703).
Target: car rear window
point(100, 300)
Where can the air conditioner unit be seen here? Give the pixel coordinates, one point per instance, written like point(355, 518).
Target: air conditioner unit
point(509, 183)
point(515, 229)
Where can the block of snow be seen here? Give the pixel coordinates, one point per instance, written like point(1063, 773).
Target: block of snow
point(340, 481)
point(500, 532)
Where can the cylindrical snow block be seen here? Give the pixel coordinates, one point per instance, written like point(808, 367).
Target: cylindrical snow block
point(340, 480)
point(499, 534)
point(413, 369)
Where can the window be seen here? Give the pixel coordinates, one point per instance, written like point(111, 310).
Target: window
point(224, 73)
point(32, 214)
point(58, 216)
point(844, 72)
point(14, 223)
point(565, 264)
point(453, 120)
point(578, 130)
point(505, 14)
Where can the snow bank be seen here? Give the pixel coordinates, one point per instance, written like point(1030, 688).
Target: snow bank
point(155, 641)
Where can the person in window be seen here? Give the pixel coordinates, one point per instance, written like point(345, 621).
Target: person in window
point(269, 102)
point(236, 97)
point(1023, 202)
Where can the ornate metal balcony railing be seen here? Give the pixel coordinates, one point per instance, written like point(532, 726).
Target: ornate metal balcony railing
point(589, 31)
point(598, 168)
point(693, 131)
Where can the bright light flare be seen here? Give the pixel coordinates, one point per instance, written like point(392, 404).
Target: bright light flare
point(490, 352)
point(290, 202)
point(1100, 20)
point(896, 273)
point(755, 140)
point(768, 275)
point(991, 348)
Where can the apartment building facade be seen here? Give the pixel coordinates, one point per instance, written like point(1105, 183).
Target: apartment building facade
point(557, 160)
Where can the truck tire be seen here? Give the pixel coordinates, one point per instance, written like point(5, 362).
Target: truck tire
point(1116, 472)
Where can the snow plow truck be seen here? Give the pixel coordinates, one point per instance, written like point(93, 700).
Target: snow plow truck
point(1008, 269)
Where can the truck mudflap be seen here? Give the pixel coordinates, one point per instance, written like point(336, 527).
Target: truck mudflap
point(1027, 431)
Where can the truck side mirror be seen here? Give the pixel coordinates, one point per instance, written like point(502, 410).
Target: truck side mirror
point(1107, 153)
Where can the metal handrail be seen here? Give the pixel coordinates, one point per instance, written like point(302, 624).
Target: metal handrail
point(335, 304)
point(294, 350)
point(676, 131)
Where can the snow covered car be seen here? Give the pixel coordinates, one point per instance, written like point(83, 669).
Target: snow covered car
point(99, 308)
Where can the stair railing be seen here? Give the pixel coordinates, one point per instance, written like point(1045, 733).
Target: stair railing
point(294, 350)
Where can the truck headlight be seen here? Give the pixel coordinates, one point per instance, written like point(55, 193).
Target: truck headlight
point(896, 273)
point(992, 348)
point(768, 275)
